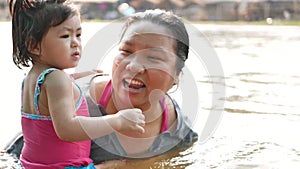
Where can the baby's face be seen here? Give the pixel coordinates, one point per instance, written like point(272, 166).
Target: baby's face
point(61, 46)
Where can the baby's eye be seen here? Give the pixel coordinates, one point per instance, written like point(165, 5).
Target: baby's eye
point(78, 35)
point(64, 36)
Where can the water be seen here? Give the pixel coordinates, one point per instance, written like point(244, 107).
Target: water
point(261, 120)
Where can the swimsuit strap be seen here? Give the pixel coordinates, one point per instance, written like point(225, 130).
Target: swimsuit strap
point(39, 82)
point(106, 94)
point(165, 115)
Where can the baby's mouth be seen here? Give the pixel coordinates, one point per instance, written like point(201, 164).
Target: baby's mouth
point(133, 84)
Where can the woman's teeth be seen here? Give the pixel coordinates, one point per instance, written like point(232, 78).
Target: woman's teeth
point(135, 84)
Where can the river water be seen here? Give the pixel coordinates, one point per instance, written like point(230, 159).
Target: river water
point(261, 119)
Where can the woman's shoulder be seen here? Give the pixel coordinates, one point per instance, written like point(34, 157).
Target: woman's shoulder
point(177, 119)
point(98, 85)
point(96, 88)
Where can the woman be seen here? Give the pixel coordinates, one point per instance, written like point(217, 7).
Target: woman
point(153, 48)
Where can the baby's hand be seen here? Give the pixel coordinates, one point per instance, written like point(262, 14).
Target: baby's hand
point(131, 119)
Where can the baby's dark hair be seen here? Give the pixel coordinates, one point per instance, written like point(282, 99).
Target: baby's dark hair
point(169, 21)
point(31, 20)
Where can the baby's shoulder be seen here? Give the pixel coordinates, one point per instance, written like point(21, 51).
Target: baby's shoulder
point(56, 79)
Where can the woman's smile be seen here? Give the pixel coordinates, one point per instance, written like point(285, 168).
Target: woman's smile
point(133, 85)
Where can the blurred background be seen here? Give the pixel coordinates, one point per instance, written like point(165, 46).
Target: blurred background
point(192, 10)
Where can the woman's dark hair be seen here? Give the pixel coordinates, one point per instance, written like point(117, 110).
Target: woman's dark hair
point(169, 21)
point(31, 20)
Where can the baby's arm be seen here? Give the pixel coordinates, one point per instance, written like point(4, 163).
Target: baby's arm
point(62, 97)
point(128, 119)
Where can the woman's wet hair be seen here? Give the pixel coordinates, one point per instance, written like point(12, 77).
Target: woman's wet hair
point(31, 20)
point(170, 21)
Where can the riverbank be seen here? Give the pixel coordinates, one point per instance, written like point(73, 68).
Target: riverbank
point(263, 22)
point(266, 22)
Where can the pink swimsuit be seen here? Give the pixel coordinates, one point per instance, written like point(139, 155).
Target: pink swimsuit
point(106, 94)
point(42, 147)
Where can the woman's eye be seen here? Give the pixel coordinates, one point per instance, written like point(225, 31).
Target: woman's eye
point(154, 58)
point(125, 52)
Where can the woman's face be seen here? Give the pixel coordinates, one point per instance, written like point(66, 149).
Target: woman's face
point(145, 67)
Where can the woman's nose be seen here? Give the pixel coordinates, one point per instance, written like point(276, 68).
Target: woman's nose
point(136, 65)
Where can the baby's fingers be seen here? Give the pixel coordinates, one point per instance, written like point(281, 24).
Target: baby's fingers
point(140, 114)
point(134, 115)
point(141, 122)
point(139, 128)
point(141, 119)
